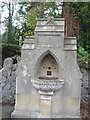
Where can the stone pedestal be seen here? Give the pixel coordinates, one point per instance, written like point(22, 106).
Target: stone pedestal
point(45, 103)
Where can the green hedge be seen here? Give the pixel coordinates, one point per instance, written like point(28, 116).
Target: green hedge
point(10, 50)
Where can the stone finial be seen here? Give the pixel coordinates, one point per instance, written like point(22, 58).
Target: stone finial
point(50, 20)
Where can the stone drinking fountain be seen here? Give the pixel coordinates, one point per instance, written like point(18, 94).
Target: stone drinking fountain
point(48, 81)
point(46, 87)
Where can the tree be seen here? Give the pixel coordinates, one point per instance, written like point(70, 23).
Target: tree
point(81, 14)
point(9, 22)
point(31, 11)
point(10, 43)
point(9, 26)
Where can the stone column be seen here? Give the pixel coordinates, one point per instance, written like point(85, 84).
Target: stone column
point(45, 103)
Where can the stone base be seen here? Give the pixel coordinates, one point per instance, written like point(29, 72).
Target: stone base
point(29, 114)
point(67, 117)
point(24, 114)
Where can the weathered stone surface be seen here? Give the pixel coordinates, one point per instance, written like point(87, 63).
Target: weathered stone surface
point(28, 46)
point(0, 91)
point(14, 67)
point(84, 86)
point(8, 63)
point(18, 60)
point(70, 41)
point(8, 81)
point(51, 24)
point(70, 47)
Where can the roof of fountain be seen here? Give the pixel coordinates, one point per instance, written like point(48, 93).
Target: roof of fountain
point(50, 24)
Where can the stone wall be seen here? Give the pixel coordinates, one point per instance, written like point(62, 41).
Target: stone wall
point(84, 86)
point(8, 82)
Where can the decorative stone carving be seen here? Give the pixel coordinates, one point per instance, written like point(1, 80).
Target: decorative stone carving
point(50, 21)
point(47, 85)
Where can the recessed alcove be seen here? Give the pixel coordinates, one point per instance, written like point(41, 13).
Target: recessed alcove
point(48, 68)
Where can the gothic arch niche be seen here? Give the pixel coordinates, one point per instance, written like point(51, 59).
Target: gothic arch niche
point(48, 68)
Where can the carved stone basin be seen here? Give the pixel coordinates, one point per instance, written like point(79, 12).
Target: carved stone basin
point(47, 85)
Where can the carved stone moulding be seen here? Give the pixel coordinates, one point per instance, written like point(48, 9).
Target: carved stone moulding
point(47, 85)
